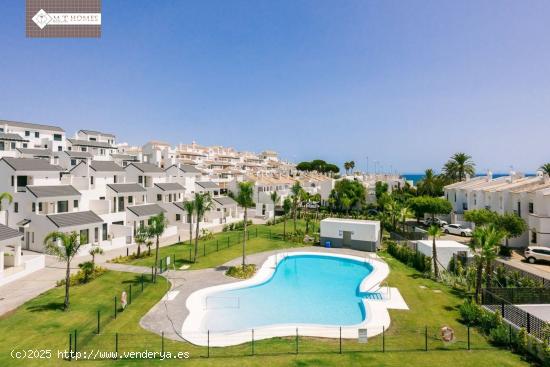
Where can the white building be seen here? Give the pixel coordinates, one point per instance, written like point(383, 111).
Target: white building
point(353, 233)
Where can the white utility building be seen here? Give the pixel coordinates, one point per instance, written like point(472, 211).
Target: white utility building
point(352, 233)
point(445, 250)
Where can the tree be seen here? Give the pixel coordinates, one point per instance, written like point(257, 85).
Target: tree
point(5, 196)
point(245, 200)
point(87, 269)
point(287, 206)
point(428, 205)
point(140, 238)
point(352, 166)
point(95, 250)
point(296, 191)
point(380, 188)
point(404, 213)
point(203, 203)
point(511, 224)
point(65, 247)
point(304, 166)
point(346, 167)
point(345, 202)
point(545, 168)
point(435, 232)
point(458, 166)
point(351, 189)
point(484, 243)
point(318, 165)
point(189, 206)
point(275, 198)
point(156, 228)
point(431, 184)
point(480, 217)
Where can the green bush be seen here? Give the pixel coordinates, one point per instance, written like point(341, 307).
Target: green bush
point(470, 313)
point(85, 275)
point(412, 258)
point(241, 272)
point(499, 335)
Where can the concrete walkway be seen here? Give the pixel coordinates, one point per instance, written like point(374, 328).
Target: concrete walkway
point(169, 314)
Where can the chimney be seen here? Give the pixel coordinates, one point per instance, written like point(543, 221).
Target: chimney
point(512, 176)
point(489, 176)
point(467, 177)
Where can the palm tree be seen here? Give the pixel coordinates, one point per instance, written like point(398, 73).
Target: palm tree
point(545, 168)
point(352, 166)
point(296, 190)
point(140, 238)
point(245, 200)
point(428, 184)
point(189, 206)
point(404, 213)
point(156, 229)
point(5, 196)
point(95, 250)
point(347, 167)
point(287, 206)
point(459, 166)
point(203, 203)
point(346, 203)
point(275, 198)
point(484, 244)
point(65, 247)
point(435, 232)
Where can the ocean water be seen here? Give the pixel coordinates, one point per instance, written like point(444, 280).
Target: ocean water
point(310, 289)
point(415, 177)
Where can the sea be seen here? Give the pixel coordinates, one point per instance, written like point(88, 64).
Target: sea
point(415, 177)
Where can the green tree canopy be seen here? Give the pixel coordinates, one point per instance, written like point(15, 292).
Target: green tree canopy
point(421, 205)
point(318, 165)
point(480, 216)
point(350, 189)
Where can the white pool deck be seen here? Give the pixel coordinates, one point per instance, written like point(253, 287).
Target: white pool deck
point(377, 319)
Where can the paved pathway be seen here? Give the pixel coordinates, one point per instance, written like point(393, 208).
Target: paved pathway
point(169, 314)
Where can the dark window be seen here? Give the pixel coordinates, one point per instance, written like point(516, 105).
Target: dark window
point(159, 197)
point(2, 145)
point(92, 139)
point(75, 203)
point(130, 199)
point(115, 179)
point(531, 208)
point(84, 149)
point(16, 207)
point(121, 203)
point(96, 234)
point(13, 145)
point(73, 162)
point(27, 133)
point(63, 206)
point(91, 180)
point(178, 217)
point(59, 148)
point(33, 207)
point(140, 179)
point(57, 137)
point(534, 237)
point(519, 209)
point(25, 145)
point(36, 134)
point(84, 240)
point(39, 207)
point(12, 180)
point(104, 230)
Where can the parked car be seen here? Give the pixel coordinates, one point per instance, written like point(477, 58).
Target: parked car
point(536, 253)
point(457, 229)
point(439, 222)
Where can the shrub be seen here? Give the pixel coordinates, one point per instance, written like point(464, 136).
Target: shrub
point(505, 251)
point(241, 272)
point(470, 313)
point(412, 258)
point(499, 335)
point(84, 275)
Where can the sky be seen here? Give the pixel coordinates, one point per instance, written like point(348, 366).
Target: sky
point(404, 83)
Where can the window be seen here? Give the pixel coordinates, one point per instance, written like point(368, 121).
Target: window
point(531, 208)
point(130, 199)
point(115, 179)
point(102, 151)
point(121, 204)
point(84, 149)
point(92, 139)
point(25, 145)
point(533, 236)
point(12, 180)
point(75, 203)
point(84, 240)
point(63, 206)
point(27, 133)
point(91, 180)
point(59, 148)
point(33, 207)
point(104, 230)
point(16, 207)
point(12, 145)
point(57, 137)
point(36, 134)
point(96, 234)
point(1, 129)
point(2, 145)
point(73, 162)
point(178, 217)
point(159, 197)
point(39, 207)
point(140, 179)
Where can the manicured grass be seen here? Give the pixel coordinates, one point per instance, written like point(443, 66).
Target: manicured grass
point(40, 323)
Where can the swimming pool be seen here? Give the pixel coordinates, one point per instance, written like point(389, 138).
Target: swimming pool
point(319, 291)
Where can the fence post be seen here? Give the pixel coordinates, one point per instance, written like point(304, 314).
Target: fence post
point(252, 341)
point(247, 235)
point(75, 350)
point(70, 346)
point(189, 254)
point(217, 246)
point(256, 232)
point(426, 339)
point(152, 274)
point(227, 241)
point(208, 345)
point(204, 249)
point(270, 233)
point(383, 339)
point(340, 340)
point(160, 266)
point(142, 282)
point(130, 295)
point(296, 340)
point(468, 337)
point(528, 323)
point(98, 319)
point(127, 251)
point(162, 343)
point(174, 262)
point(510, 335)
point(115, 307)
point(502, 308)
point(116, 345)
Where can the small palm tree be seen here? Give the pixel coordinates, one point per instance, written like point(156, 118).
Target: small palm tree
point(245, 200)
point(141, 237)
point(9, 198)
point(203, 203)
point(95, 250)
point(296, 190)
point(545, 168)
point(346, 203)
point(435, 232)
point(275, 199)
point(459, 166)
point(287, 206)
point(405, 213)
point(484, 245)
point(352, 166)
point(189, 207)
point(65, 247)
point(156, 229)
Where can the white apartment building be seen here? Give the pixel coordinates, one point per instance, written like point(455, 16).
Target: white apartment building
point(14, 135)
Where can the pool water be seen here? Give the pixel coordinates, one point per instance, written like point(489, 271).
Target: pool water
point(304, 289)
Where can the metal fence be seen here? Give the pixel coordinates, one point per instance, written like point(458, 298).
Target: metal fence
point(505, 301)
point(545, 283)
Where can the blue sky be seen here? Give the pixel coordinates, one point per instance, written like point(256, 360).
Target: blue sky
point(406, 83)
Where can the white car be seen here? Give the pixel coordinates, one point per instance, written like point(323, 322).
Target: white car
point(536, 253)
point(439, 222)
point(458, 230)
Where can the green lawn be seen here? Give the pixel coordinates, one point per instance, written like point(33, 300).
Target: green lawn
point(41, 324)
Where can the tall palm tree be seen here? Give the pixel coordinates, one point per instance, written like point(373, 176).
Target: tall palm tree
point(287, 207)
point(245, 200)
point(203, 203)
point(435, 232)
point(346, 203)
point(189, 206)
point(6, 196)
point(140, 238)
point(156, 229)
point(65, 247)
point(459, 165)
point(484, 245)
point(404, 213)
point(352, 166)
point(296, 191)
point(95, 250)
point(545, 168)
point(346, 167)
point(275, 198)
point(427, 185)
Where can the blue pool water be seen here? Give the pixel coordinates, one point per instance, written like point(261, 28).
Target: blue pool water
point(305, 289)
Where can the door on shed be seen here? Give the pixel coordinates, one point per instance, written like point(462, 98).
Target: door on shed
point(346, 238)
